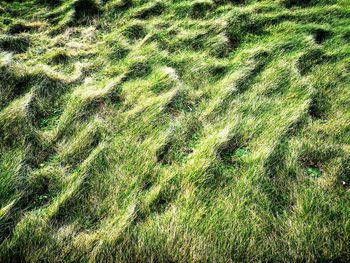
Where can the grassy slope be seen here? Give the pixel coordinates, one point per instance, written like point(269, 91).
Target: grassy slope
point(174, 131)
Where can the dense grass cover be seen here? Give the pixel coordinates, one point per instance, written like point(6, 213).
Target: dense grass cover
point(174, 131)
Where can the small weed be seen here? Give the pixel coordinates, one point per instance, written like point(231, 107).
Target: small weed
point(50, 122)
point(241, 152)
point(314, 172)
point(40, 200)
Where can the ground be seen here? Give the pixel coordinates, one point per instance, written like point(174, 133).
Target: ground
point(175, 131)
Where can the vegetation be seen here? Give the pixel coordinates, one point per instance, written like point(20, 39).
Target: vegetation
point(174, 131)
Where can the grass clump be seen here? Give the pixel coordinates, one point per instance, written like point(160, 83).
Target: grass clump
point(314, 172)
point(311, 59)
point(135, 31)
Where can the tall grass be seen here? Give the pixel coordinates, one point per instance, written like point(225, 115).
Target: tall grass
point(174, 131)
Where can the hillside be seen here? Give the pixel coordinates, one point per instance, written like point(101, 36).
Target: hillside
point(175, 131)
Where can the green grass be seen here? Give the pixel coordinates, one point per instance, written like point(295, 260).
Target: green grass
point(174, 131)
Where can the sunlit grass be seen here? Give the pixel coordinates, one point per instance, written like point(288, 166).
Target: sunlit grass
point(174, 131)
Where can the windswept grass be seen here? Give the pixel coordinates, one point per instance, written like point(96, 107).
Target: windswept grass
point(174, 131)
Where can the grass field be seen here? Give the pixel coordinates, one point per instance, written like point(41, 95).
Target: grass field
point(175, 131)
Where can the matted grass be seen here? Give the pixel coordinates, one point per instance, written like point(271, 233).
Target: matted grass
point(174, 131)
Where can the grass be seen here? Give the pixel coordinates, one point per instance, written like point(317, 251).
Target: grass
point(174, 131)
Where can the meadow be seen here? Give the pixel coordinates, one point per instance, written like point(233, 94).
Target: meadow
point(175, 131)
